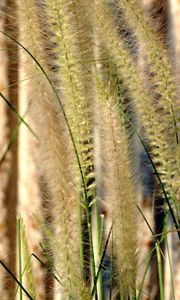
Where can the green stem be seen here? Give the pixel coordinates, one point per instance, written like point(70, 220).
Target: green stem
point(111, 268)
point(99, 231)
point(19, 256)
point(81, 237)
point(160, 271)
point(170, 268)
point(92, 259)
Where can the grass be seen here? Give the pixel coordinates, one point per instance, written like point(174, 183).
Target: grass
point(94, 115)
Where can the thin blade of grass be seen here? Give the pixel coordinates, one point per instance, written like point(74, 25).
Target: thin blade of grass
point(162, 187)
point(10, 142)
point(101, 262)
point(92, 259)
point(146, 221)
point(16, 280)
point(100, 239)
point(111, 269)
point(27, 269)
point(19, 256)
point(50, 263)
point(80, 218)
point(46, 266)
point(176, 224)
point(140, 290)
point(18, 115)
point(160, 271)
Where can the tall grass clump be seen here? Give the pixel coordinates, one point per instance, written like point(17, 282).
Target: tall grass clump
point(90, 104)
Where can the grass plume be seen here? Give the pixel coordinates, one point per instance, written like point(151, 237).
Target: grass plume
point(119, 195)
point(55, 146)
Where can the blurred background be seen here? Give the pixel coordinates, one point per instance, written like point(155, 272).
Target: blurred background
point(21, 181)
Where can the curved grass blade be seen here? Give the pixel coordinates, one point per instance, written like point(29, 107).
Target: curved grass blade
point(176, 224)
point(61, 106)
point(162, 187)
point(82, 175)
